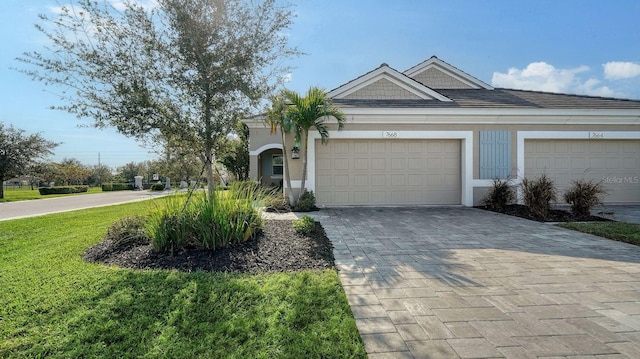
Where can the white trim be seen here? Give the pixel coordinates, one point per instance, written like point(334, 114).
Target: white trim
point(268, 146)
point(392, 75)
point(562, 135)
point(466, 153)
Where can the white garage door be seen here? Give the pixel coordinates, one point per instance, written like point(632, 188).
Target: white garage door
point(395, 172)
point(616, 163)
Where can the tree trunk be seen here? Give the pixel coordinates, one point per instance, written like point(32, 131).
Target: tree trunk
point(288, 189)
point(305, 138)
point(1, 188)
point(207, 161)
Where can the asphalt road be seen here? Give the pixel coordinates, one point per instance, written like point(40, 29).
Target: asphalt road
point(32, 208)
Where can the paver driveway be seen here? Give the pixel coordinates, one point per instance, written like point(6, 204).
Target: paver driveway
point(462, 282)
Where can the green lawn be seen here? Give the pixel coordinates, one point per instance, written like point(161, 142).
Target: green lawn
point(619, 231)
point(26, 193)
point(53, 304)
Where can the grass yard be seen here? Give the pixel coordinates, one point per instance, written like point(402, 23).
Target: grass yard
point(53, 304)
point(26, 193)
point(619, 231)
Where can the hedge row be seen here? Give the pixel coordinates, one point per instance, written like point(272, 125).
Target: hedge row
point(123, 186)
point(62, 190)
point(107, 187)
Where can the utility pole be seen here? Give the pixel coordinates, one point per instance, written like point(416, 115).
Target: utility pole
point(99, 172)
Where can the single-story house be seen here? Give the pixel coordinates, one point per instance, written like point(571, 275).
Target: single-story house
point(436, 135)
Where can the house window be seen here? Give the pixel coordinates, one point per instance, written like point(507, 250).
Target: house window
point(495, 154)
point(276, 165)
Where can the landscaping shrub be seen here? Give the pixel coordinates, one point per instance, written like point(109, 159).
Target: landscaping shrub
point(307, 202)
point(207, 220)
point(583, 195)
point(538, 195)
point(277, 203)
point(62, 190)
point(304, 224)
point(158, 186)
point(128, 231)
point(500, 195)
point(107, 187)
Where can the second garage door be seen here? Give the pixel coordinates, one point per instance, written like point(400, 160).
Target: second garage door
point(393, 172)
point(614, 162)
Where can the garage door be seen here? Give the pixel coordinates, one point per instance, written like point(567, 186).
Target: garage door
point(616, 163)
point(394, 172)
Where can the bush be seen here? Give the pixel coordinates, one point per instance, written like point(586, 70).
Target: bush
point(538, 195)
point(128, 231)
point(306, 202)
point(107, 187)
point(304, 225)
point(277, 203)
point(207, 220)
point(583, 195)
point(499, 196)
point(158, 186)
point(62, 190)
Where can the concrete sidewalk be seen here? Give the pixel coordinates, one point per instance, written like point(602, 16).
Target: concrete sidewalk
point(466, 283)
point(39, 207)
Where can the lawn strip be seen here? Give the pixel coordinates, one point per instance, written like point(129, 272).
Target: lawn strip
point(619, 231)
point(53, 304)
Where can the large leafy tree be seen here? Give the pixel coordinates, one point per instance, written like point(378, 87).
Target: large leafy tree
point(19, 152)
point(312, 111)
point(234, 152)
point(72, 172)
point(183, 69)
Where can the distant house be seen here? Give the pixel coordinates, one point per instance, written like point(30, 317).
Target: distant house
point(435, 135)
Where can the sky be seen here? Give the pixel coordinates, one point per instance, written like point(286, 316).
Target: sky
point(587, 47)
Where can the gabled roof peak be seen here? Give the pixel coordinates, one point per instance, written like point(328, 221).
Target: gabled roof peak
point(448, 69)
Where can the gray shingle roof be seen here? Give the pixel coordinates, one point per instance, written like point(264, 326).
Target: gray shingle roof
point(500, 98)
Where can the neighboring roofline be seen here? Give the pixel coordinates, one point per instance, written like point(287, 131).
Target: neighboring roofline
point(387, 72)
point(570, 94)
point(453, 71)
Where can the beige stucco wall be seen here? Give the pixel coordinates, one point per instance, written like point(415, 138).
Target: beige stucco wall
point(260, 136)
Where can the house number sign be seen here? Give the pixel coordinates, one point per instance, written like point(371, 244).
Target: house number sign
point(596, 135)
point(390, 134)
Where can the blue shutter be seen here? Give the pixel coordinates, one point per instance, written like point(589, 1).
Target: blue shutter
point(495, 154)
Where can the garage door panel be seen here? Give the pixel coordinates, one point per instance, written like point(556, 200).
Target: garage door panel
point(609, 161)
point(389, 172)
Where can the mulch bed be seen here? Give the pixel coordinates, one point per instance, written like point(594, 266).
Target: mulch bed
point(279, 248)
point(556, 215)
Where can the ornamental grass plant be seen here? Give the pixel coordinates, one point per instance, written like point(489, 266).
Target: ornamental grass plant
point(208, 220)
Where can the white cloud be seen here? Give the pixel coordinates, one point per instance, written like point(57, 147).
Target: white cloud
point(541, 76)
point(538, 76)
point(616, 70)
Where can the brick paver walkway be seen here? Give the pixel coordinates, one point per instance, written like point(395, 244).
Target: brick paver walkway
point(465, 283)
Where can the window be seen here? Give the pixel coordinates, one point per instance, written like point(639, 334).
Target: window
point(276, 165)
point(495, 154)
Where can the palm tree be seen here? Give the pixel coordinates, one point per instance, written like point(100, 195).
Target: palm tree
point(277, 120)
point(312, 110)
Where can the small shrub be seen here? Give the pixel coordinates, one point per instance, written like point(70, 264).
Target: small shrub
point(277, 203)
point(583, 195)
point(538, 195)
point(128, 231)
point(62, 190)
point(499, 196)
point(158, 186)
point(304, 224)
point(307, 202)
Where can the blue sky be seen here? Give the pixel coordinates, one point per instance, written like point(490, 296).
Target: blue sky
point(586, 47)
